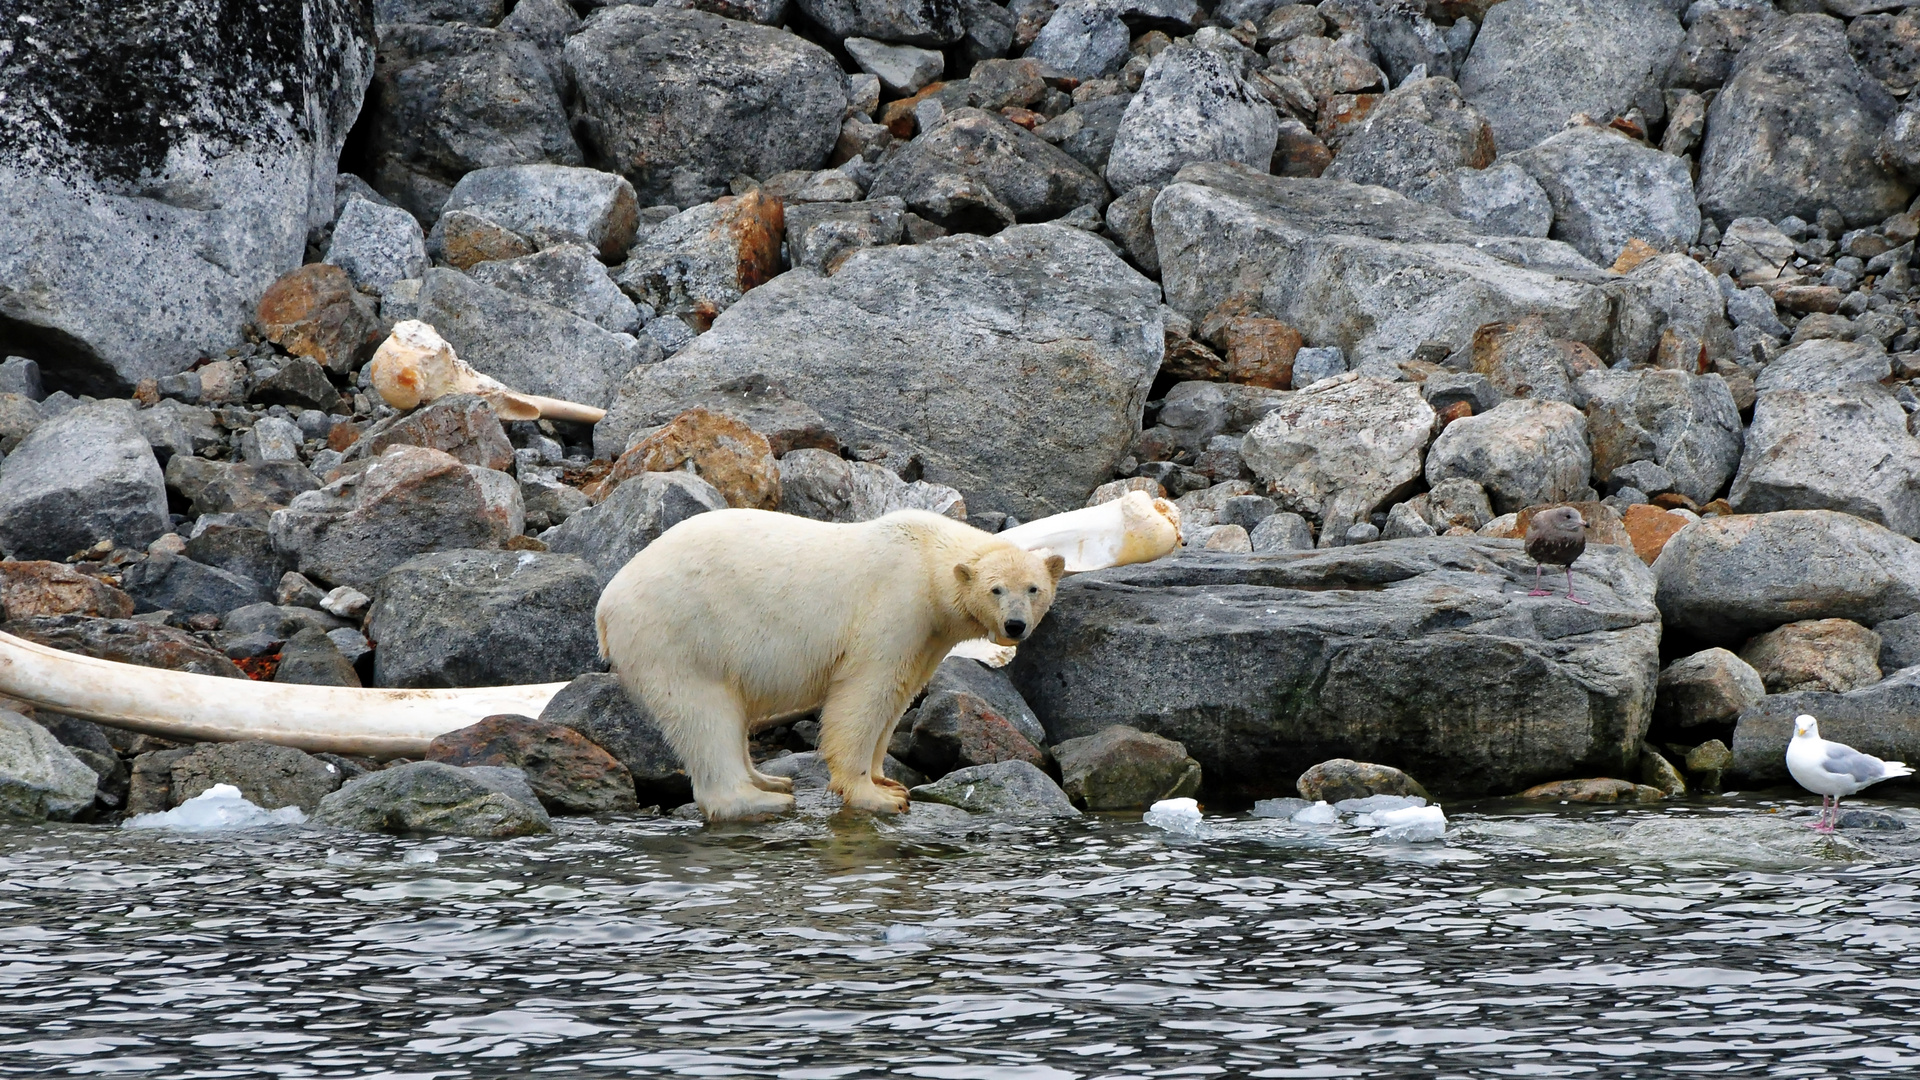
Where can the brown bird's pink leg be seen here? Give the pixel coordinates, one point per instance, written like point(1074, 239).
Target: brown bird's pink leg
point(1537, 590)
point(1570, 595)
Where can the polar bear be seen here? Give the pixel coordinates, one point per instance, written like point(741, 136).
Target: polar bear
point(736, 619)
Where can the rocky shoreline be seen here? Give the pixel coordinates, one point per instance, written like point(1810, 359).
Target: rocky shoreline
point(1360, 285)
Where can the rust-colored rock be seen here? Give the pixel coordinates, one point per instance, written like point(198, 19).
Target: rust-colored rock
point(1521, 359)
point(1673, 500)
point(33, 589)
point(897, 116)
point(1459, 410)
point(1341, 113)
point(316, 312)
point(1649, 528)
point(724, 452)
point(1596, 790)
point(1636, 252)
point(957, 730)
point(467, 239)
point(342, 435)
point(147, 392)
point(1603, 522)
point(1717, 506)
point(1025, 118)
point(1807, 299)
point(1299, 152)
point(699, 263)
point(1260, 352)
point(569, 773)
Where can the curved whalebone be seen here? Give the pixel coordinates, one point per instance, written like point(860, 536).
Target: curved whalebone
point(182, 705)
point(400, 723)
point(415, 365)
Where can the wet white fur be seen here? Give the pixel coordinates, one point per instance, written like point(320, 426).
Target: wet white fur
point(737, 618)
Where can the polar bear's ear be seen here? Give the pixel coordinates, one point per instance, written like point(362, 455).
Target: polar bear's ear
point(1056, 565)
point(963, 573)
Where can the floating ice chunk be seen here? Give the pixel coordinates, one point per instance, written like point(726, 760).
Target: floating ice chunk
point(1279, 808)
point(1320, 813)
point(1410, 825)
point(420, 856)
point(1181, 816)
point(1375, 803)
point(219, 807)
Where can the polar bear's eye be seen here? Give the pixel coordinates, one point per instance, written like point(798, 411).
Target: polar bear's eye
point(998, 591)
point(1032, 589)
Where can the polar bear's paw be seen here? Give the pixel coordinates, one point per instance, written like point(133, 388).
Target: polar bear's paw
point(874, 799)
point(772, 783)
point(746, 804)
point(887, 783)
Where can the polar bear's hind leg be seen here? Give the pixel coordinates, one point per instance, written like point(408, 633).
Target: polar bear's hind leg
point(706, 725)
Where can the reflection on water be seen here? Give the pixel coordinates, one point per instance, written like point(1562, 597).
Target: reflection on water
point(1717, 938)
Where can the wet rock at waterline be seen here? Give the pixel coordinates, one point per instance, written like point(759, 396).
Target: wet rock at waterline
point(569, 773)
point(1119, 768)
point(596, 706)
point(1014, 789)
point(434, 798)
point(1425, 652)
point(1344, 778)
point(39, 778)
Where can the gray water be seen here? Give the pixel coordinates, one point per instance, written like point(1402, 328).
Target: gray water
point(1717, 937)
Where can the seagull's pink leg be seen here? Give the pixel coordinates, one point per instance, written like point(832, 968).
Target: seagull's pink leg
point(1537, 590)
point(1570, 595)
point(1820, 822)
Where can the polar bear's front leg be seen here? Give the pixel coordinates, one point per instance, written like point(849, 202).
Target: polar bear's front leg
point(855, 721)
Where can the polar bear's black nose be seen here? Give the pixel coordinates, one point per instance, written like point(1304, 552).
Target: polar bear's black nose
point(1015, 628)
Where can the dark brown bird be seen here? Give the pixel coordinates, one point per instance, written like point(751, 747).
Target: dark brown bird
point(1556, 536)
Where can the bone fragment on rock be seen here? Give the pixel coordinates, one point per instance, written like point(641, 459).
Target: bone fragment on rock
point(415, 365)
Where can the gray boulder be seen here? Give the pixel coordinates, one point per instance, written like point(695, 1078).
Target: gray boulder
point(1082, 38)
point(377, 245)
point(447, 100)
point(697, 263)
point(1362, 267)
point(554, 204)
point(1688, 424)
point(1796, 129)
point(610, 533)
point(1846, 449)
point(142, 223)
point(1669, 312)
point(643, 77)
point(916, 22)
point(957, 675)
point(39, 778)
point(1419, 127)
point(1341, 448)
point(533, 347)
point(824, 486)
point(1825, 364)
point(1502, 199)
point(1193, 105)
point(1535, 63)
point(1016, 366)
point(1086, 133)
point(177, 583)
point(463, 425)
point(1899, 643)
point(1425, 654)
point(901, 69)
point(81, 477)
point(1015, 789)
point(312, 658)
point(1882, 720)
point(1706, 689)
point(821, 235)
point(1523, 452)
point(978, 173)
point(409, 501)
point(484, 618)
point(596, 706)
point(268, 775)
point(433, 798)
point(1607, 189)
point(1119, 768)
point(1724, 579)
point(566, 276)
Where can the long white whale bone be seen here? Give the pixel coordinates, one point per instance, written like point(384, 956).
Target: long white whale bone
point(415, 365)
point(1134, 528)
point(182, 705)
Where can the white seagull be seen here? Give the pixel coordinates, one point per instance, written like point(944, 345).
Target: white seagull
point(1831, 770)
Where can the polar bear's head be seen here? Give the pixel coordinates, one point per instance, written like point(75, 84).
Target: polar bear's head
point(1008, 590)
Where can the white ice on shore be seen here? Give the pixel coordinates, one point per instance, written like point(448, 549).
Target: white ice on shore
point(1180, 816)
point(1320, 813)
point(219, 807)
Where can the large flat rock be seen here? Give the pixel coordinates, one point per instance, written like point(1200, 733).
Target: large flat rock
point(1882, 720)
point(1015, 365)
point(1364, 268)
point(1423, 654)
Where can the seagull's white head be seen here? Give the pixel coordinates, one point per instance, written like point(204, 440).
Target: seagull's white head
point(1806, 726)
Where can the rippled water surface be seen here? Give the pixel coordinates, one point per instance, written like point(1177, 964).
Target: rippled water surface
point(1720, 937)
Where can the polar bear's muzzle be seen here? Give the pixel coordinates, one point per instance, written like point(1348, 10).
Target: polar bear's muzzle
point(1016, 629)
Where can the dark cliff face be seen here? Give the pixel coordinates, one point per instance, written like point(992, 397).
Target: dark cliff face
point(108, 87)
